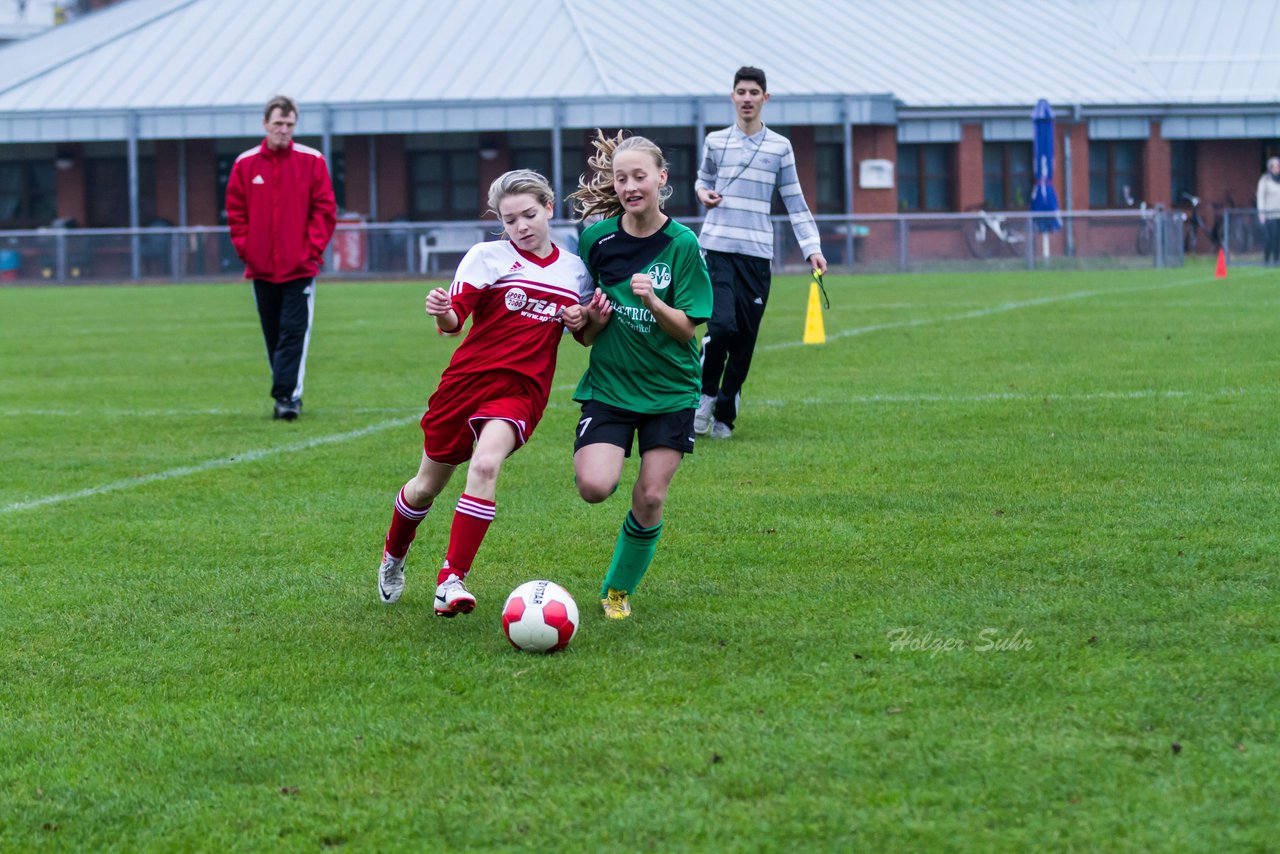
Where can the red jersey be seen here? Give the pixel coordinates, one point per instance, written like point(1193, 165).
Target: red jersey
point(281, 211)
point(514, 300)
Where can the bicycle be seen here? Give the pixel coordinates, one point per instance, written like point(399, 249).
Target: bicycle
point(1194, 225)
point(1146, 237)
point(1242, 227)
point(991, 231)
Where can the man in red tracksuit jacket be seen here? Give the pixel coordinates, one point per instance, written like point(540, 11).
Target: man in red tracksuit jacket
point(281, 211)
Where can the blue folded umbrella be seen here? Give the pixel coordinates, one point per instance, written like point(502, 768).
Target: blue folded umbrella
point(1044, 199)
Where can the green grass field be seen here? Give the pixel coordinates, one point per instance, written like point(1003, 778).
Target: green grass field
point(992, 569)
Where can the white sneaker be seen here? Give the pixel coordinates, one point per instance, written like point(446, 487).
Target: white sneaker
point(453, 599)
point(702, 418)
point(390, 579)
point(720, 430)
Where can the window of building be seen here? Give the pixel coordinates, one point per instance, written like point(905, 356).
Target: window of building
point(107, 199)
point(681, 151)
point(338, 177)
point(925, 176)
point(1115, 173)
point(1182, 171)
point(829, 160)
point(445, 185)
point(530, 154)
point(1007, 175)
point(28, 195)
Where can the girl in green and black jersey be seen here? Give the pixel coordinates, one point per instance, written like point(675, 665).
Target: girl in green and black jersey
point(643, 377)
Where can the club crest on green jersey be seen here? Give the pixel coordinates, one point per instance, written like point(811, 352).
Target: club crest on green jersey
point(661, 275)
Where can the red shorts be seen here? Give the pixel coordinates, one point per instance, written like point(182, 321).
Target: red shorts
point(450, 426)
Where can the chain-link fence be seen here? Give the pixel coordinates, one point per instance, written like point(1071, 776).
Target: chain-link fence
point(975, 241)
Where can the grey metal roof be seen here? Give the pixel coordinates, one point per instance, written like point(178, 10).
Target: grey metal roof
point(200, 68)
point(1203, 53)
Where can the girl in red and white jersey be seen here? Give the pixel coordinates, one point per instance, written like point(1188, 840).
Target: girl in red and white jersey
point(520, 293)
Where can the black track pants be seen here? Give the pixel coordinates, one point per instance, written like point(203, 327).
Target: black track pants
point(286, 310)
point(740, 285)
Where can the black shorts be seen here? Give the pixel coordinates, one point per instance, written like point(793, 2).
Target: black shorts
point(604, 424)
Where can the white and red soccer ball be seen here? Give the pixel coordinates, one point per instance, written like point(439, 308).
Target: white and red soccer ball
point(540, 616)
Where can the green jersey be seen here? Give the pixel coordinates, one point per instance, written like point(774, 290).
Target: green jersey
point(635, 365)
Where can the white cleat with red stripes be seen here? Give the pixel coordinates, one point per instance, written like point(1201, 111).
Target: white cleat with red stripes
point(452, 598)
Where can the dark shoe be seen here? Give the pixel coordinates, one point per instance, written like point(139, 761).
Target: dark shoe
point(287, 410)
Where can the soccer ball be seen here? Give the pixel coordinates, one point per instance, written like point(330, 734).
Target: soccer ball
point(540, 616)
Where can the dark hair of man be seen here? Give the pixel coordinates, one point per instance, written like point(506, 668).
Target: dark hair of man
point(287, 107)
point(750, 72)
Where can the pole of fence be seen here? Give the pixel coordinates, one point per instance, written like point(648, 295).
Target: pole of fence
point(60, 255)
point(902, 245)
point(1031, 243)
point(135, 244)
point(1162, 241)
point(1226, 235)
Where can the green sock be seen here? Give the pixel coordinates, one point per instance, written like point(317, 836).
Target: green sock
point(631, 556)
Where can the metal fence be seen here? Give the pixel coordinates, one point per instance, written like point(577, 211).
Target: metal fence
point(972, 241)
point(1245, 235)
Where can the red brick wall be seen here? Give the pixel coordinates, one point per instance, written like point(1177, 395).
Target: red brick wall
point(69, 185)
point(393, 178)
point(203, 204)
point(1227, 166)
point(491, 169)
point(1079, 134)
point(803, 142)
point(167, 181)
point(1156, 166)
point(874, 142)
point(969, 192)
point(356, 151)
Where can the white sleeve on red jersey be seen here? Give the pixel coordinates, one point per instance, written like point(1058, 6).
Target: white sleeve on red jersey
point(474, 275)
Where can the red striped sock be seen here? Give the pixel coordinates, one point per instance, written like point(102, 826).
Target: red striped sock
point(470, 523)
point(404, 525)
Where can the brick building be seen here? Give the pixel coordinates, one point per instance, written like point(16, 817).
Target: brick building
point(133, 113)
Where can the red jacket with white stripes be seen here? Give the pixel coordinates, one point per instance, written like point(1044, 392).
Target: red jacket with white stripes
point(281, 211)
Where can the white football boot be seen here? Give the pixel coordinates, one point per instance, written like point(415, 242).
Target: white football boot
point(390, 579)
point(702, 417)
point(452, 598)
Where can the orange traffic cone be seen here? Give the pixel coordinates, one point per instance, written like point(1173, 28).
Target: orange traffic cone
point(1221, 271)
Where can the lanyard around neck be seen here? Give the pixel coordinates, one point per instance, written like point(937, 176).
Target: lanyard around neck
point(750, 160)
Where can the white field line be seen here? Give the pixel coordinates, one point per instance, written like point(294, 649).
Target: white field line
point(1001, 397)
point(189, 413)
point(249, 456)
point(207, 465)
point(986, 312)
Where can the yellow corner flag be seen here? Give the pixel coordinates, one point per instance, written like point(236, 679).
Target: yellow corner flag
point(813, 331)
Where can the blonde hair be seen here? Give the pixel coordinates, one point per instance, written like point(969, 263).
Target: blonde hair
point(595, 195)
point(517, 182)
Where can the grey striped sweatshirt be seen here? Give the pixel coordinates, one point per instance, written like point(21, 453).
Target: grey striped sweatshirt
point(744, 170)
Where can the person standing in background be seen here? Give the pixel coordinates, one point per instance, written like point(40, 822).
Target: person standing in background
point(1269, 210)
point(740, 168)
point(281, 210)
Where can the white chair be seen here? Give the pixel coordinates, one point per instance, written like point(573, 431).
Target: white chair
point(445, 239)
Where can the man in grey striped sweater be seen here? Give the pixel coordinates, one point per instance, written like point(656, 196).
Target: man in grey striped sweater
point(741, 167)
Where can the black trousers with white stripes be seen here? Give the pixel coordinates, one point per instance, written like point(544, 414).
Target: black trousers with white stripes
point(740, 286)
point(286, 310)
